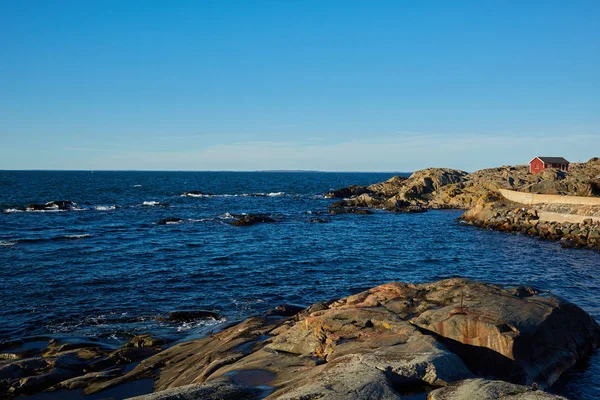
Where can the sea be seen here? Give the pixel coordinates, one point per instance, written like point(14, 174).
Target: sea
point(107, 268)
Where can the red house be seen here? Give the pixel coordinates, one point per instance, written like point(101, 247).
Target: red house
point(539, 164)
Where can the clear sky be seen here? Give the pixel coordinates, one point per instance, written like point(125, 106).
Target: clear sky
point(324, 85)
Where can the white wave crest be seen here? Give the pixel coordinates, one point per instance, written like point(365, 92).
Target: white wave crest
point(275, 194)
point(186, 326)
point(104, 208)
point(81, 236)
point(196, 195)
point(137, 185)
point(151, 203)
point(7, 243)
point(12, 210)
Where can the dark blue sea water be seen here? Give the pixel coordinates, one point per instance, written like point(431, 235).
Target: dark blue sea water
point(106, 269)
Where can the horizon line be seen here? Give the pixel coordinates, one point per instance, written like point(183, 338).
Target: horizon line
point(207, 170)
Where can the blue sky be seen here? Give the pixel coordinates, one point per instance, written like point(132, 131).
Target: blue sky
point(324, 85)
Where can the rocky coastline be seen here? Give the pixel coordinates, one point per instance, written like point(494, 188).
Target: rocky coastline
point(451, 339)
point(478, 193)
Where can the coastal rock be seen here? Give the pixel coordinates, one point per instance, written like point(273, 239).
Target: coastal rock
point(145, 340)
point(66, 365)
point(384, 343)
point(85, 380)
point(390, 187)
point(352, 190)
point(429, 180)
point(253, 219)
point(212, 391)
point(484, 389)
point(351, 210)
point(534, 338)
point(285, 310)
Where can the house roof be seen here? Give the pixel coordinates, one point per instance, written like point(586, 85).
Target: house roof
point(553, 160)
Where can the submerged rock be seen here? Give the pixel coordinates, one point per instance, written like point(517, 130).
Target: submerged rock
point(62, 205)
point(169, 221)
point(253, 219)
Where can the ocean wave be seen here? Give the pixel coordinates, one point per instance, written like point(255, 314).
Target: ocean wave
point(104, 208)
point(186, 326)
point(177, 221)
point(53, 239)
point(259, 194)
point(137, 185)
point(80, 236)
point(53, 210)
point(196, 195)
point(228, 216)
point(52, 206)
point(7, 243)
point(56, 209)
point(151, 203)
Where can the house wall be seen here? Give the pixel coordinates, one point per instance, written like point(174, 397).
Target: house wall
point(536, 166)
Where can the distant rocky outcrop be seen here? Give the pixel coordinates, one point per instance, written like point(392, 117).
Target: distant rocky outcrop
point(392, 340)
point(478, 192)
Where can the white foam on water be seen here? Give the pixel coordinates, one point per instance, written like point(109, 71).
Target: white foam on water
point(81, 236)
point(275, 194)
point(104, 208)
point(196, 195)
point(137, 185)
point(186, 326)
point(7, 243)
point(151, 203)
point(173, 222)
point(12, 210)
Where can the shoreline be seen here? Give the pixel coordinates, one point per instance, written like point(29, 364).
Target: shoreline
point(553, 205)
point(422, 334)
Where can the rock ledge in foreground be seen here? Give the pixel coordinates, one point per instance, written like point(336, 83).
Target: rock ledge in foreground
point(385, 342)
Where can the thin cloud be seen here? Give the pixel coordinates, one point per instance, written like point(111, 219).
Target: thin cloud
point(468, 152)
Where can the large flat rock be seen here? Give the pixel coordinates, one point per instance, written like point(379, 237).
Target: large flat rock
point(393, 341)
